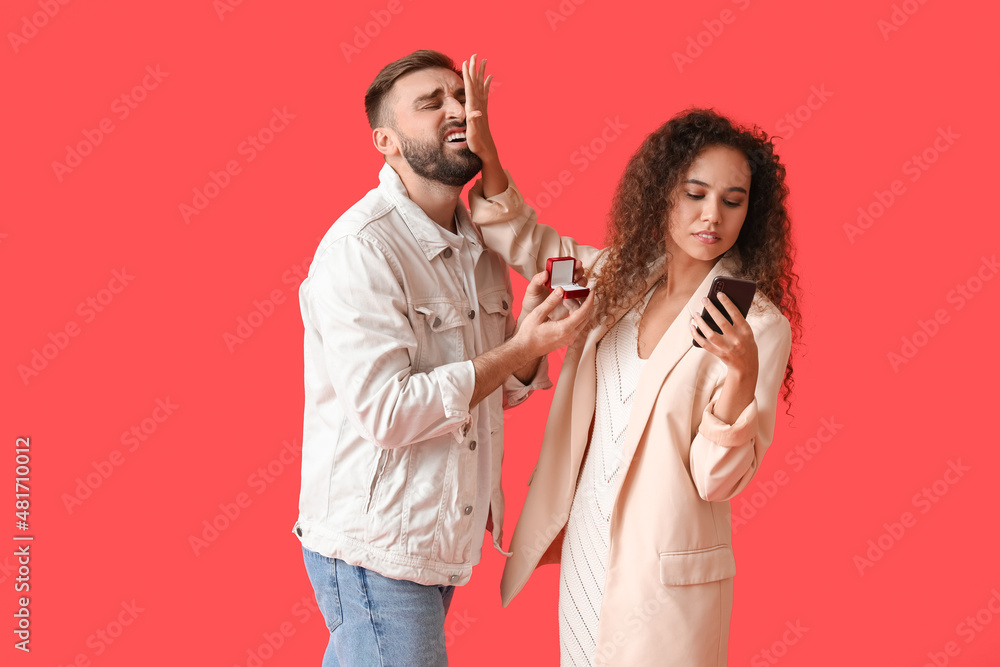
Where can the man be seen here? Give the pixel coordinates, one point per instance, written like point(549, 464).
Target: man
point(411, 355)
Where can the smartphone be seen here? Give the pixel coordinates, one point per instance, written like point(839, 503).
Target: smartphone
point(740, 292)
point(561, 275)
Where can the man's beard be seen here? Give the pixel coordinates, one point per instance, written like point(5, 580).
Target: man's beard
point(430, 161)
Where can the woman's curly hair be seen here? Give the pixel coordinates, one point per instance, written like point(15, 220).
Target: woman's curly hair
point(643, 201)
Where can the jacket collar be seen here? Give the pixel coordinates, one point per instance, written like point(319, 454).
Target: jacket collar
point(725, 266)
point(675, 343)
point(429, 236)
point(677, 340)
point(671, 348)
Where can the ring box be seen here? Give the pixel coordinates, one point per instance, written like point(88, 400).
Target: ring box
point(561, 275)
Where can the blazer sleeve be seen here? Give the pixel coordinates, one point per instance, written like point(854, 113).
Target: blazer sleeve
point(510, 228)
point(725, 457)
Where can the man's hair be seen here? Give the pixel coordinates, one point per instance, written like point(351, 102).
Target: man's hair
point(379, 89)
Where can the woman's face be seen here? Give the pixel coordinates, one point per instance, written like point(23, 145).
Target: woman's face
point(710, 204)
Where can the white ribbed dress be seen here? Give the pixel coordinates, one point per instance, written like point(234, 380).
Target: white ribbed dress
point(587, 539)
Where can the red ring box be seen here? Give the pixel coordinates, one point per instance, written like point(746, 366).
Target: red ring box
point(561, 275)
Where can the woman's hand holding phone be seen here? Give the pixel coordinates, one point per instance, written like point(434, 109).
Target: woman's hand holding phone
point(736, 345)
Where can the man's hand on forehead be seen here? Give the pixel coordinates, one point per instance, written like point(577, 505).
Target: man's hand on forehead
point(477, 95)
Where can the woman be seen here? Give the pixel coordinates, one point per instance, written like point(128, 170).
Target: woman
point(649, 437)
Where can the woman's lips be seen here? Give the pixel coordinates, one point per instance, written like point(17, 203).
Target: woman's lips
point(707, 238)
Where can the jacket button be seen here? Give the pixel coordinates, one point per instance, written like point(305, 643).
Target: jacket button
point(472, 314)
point(468, 509)
point(437, 322)
point(472, 445)
point(447, 253)
point(453, 578)
point(298, 531)
point(504, 304)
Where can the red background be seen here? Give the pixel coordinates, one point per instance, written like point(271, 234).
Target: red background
point(557, 82)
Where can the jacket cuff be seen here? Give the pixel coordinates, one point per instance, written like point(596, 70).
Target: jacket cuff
point(740, 432)
point(515, 391)
point(503, 207)
point(457, 382)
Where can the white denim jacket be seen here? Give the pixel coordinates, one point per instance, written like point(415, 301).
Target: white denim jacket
point(390, 445)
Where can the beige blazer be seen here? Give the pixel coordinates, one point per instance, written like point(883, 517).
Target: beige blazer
point(668, 594)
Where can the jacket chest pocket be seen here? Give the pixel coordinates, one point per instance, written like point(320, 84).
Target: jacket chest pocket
point(440, 331)
point(495, 307)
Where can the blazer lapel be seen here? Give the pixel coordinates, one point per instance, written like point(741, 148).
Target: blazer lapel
point(584, 400)
point(585, 382)
point(671, 348)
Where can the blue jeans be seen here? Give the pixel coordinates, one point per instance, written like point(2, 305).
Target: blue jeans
point(375, 621)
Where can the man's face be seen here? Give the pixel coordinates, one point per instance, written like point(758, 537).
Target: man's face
point(429, 110)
